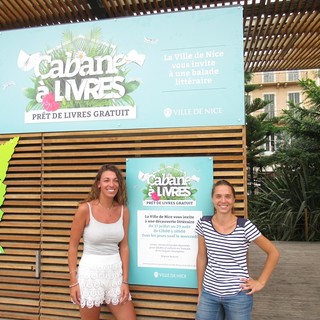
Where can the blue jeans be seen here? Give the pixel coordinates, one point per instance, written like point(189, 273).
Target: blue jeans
point(236, 307)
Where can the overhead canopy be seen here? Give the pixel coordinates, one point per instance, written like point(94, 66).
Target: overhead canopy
point(278, 35)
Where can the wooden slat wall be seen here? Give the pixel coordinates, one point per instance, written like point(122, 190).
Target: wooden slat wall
point(20, 230)
point(48, 175)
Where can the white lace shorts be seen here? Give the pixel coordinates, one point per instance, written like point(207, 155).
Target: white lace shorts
point(100, 279)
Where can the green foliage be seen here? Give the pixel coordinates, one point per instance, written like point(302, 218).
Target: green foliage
point(287, 206)
point(258, 130)
point(302, 129)
point(250, 87)
point(304, 122)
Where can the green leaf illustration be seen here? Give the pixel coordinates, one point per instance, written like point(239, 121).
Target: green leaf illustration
point(80, 47)
point(6, 152)
point(131, 86)
point(168, 171)
point(128, 100)
point(30, 93)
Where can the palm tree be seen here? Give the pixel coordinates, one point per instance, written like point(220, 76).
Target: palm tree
point(258, 130)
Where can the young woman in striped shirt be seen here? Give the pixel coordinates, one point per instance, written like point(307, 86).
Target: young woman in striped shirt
point(224, 286)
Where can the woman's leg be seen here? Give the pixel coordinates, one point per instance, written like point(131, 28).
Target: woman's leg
point(209, 307)
point(90, 313)
point(238, 307)
point(124, 311)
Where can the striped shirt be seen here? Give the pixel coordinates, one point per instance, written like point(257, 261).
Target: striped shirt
point(227, 256)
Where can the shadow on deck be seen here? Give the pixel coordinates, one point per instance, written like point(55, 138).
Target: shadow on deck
point(293, 291)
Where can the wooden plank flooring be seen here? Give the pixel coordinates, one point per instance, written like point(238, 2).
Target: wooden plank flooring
point(293, 292)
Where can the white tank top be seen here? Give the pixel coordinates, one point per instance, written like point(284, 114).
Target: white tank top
point(102, 238)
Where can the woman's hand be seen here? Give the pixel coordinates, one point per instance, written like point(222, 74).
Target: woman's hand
point(75, 295)
point(199, 296)
point(125, 293)
point(251, 286)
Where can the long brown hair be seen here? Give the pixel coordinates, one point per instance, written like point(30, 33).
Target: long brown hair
point(223, 183)
point(121, 196)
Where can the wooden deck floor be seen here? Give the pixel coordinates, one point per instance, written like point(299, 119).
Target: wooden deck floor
point(293, 292)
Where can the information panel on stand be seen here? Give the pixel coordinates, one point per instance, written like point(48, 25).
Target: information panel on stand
point(166, 197)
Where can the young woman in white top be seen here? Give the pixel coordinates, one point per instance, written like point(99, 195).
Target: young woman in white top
point(102, 219)
point(224, 286)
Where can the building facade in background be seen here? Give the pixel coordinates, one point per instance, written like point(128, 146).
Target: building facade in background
point(279, 88)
